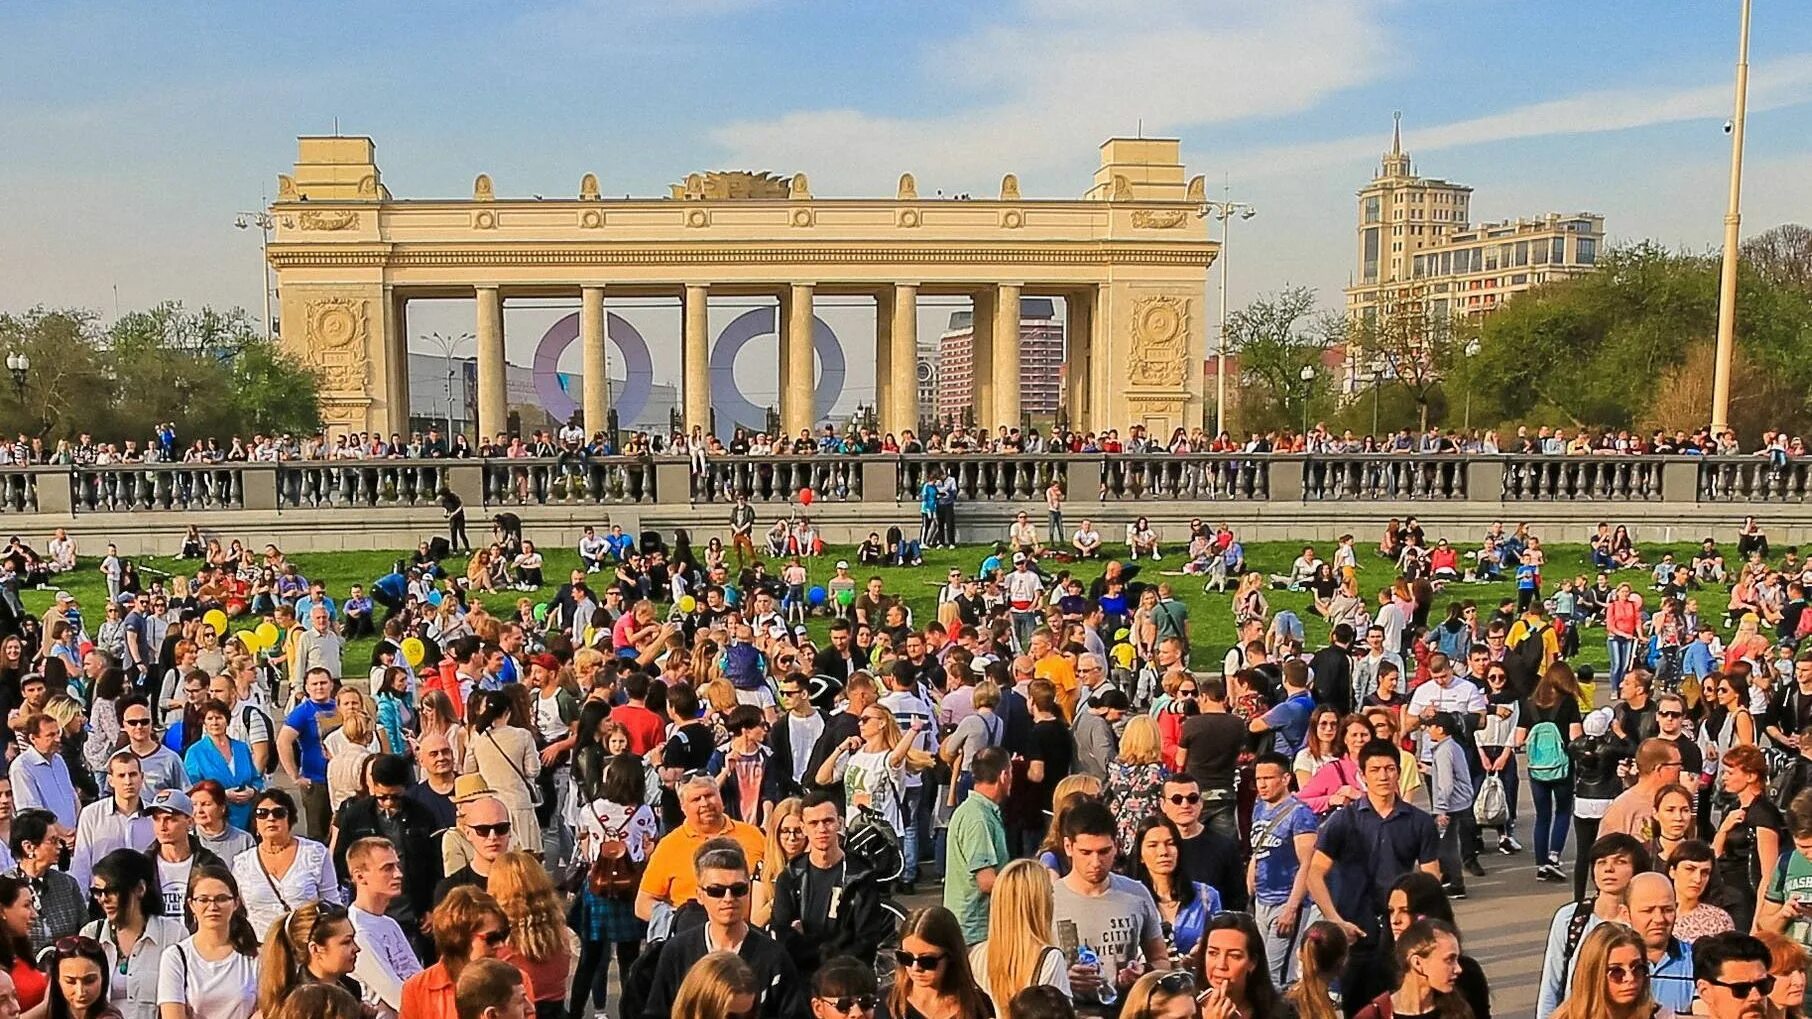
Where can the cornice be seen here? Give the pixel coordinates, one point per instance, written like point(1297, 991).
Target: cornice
point(1187, 253)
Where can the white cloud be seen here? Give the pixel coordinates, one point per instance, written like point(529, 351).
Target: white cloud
point(1055, 77)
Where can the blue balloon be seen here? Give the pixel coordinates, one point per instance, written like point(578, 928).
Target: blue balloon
point(816, 595)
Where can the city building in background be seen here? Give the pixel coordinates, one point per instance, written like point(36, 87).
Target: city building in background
point(432, 399)
point(1416, 242)
point(1041, 363)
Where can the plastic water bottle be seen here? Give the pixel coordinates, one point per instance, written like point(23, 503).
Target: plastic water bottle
point(1104, 992)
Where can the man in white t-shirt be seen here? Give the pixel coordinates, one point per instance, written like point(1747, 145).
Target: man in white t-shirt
point(592, 549)
point(1444, 692)
point(60, 552)
point(556, 732)
point(1025, 596)
point(1087, 541)
point(177, 851)
point(385, 956)
point(1392, 619)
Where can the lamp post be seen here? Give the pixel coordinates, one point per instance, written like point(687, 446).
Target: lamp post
point(261, 220)
point(1733, 219)
point(1307, 375)
point(1471, 350)
point(1377, 367)
point(19, 365)
point(1224, 211)
point(448, 346)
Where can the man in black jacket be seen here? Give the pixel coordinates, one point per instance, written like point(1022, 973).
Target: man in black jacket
point(1331, 671)
point(826, 903)
point(388, 813)
point(723, 891)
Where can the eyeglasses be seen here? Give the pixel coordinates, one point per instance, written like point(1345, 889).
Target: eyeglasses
point(923, 963)
point(75, 944)
point(731, 891)
point(1181, 798)
point(851, 1004)
point(205, 901)
point(1669, 714)
point(271, 813)
point(485, 831)
point(388, 797)
point(1623, 974)
point(1744, 988)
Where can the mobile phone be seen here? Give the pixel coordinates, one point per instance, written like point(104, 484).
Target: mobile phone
point(1067, 939)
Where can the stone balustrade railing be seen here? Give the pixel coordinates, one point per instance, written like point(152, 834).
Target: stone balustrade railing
point(980, 478)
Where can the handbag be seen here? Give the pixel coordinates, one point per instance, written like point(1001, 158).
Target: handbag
point(534, 788)
point(1492, 808)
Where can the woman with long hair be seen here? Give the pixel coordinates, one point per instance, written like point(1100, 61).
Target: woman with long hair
point(1184, 904)
point(785, 840)
point(1069, 791)
point(1554, 703)
point(540, 944)
point(79, 987)
point(1020, 950)
point(1428, 963)
point(311, 944)
point(1610, 977)
point(1320, 960)
point(212, 974)
point(104, 723)
point(220, 758)
point(1337, 783)
point(718, 986)
point(504, 753)
point(1788, 968)
point(1693, 868)
point(1135, 779)
point(1748, 841)
point(1166, 994)
point(319, 1001)
point(395, 709)
point(620, 813)
point(132, 929)
point(1321, 745)
point(932, 979)
point(1235, 973)
point(872, 765)
point(468, 924)
point(285, 869)
point(590, 755)
point(440, 718)
point(1417, 896)
point(18, 912)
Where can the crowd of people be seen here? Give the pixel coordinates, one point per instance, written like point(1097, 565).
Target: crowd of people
point(1034, 800)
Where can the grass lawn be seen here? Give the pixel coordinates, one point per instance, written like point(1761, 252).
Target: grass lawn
point(1211, 620)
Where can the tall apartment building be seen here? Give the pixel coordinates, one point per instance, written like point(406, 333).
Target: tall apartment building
point(1040, 362)
point(1416, 240)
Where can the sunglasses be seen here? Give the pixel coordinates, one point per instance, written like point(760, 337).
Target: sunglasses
point(851, 1004)
point(1181, 798)
point(103, 891)
point(136, 722)
point(923, 963)
point(1669, 714)
point(271, 813)
point(1186, 692)
point(730, 891)
point(1744, 988)
point(485, 831)
point(1623, 974)
point(495, 938)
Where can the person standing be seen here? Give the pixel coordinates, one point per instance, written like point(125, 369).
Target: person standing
point(386, 957)
point(1115, 916)
point(742, 530)
point(722, 878)
point(1730, 976)
point(62, 908)
point(1209, 750)
point(977, 843)
point(40, 774)
point(1283, 844)
point(117, 822)
point(300, 748)
point(176, 853)
point(1451, 793)
point(1613, 862)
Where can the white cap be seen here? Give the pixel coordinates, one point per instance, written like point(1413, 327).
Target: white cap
point(843, 564)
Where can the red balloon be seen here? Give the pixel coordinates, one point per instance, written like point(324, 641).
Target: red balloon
point(805, 496)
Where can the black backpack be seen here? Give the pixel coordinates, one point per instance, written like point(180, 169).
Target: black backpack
point(1522, 663)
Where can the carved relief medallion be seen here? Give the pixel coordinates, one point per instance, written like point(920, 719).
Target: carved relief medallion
point(1160, 341)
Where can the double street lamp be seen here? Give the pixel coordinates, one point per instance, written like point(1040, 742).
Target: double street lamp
point(1307, 375)
point(261, 220)
point(1224, 211)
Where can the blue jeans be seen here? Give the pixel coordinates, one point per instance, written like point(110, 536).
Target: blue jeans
point(1553, 816)
point(1622, 649)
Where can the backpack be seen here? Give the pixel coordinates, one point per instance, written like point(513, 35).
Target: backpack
point(1548, 760)
point(613, 875)
point(1522, 663)
point(742, 666)
point(1576, 925)
point(270, 766)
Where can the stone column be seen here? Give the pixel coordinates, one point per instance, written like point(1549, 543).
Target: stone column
point(796, 411)
point(1006, 356)
point(697, 395)
point(1079, 335)
point(596, 362)
point(903, 404)
point(981, 359)
point(884, 363)
point(493, 390)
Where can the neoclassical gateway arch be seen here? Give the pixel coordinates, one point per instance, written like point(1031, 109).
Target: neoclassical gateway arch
point(1130, 259)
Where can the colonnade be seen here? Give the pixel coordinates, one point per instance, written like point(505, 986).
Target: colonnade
point(996, 354)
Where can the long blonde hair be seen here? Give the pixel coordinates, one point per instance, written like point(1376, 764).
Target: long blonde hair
point(526, 894)
point(1019, 927)
point(1589, 998)
point(1070, 790)
point(774, 859)
point(710, 985)
point(1140, 744)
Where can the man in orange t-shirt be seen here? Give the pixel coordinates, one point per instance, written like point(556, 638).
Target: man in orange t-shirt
point(1047, 663)
point(669, 877)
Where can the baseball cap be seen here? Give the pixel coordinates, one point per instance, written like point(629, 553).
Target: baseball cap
point(546, 661)
point(63, 596)
point(843, 564)
point(172, 801)
point(1019, 557)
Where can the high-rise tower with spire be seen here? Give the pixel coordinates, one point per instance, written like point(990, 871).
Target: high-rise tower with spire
point(1401, 213)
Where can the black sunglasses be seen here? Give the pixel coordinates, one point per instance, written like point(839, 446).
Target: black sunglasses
point(495, 938)
point(1744, 988)
point(1181, 798)
point(485, 831)
point(271, 813)
point(923, 963)
point(850, 1004)
point(732, 891)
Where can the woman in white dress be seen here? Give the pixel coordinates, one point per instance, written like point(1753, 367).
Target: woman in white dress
point(285, 870)
point(212, 974)
point(505, 755)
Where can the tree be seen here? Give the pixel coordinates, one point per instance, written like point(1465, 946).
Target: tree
point(1781, 255)
point(1276, 336)
point(1415, 347)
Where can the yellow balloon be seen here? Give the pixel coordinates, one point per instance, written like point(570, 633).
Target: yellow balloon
point(267, 635)
point(687, 603)
point(413, 651)
point(217, 619)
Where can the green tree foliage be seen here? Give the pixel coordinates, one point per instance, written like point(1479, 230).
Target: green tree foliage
point(1276, 336)
point(1416, 349)
point(1594, 350)
point(208, 371)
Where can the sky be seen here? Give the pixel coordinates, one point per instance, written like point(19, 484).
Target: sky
point(131, 134)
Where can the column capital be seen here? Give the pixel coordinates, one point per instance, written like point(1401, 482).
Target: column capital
point(487, 287)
